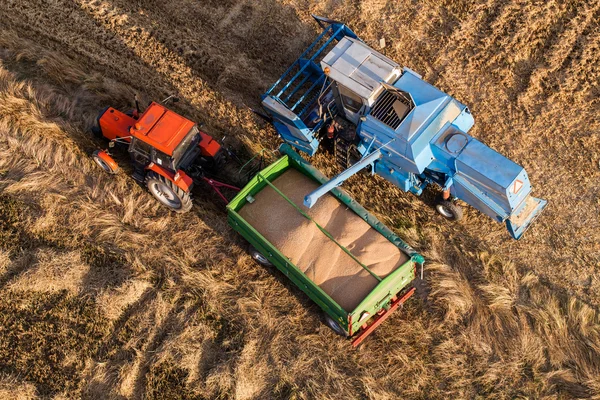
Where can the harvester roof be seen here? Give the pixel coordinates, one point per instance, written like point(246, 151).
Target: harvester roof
point(161, 128)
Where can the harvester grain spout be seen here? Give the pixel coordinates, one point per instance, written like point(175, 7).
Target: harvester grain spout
point(336, 181)
point(373, 105)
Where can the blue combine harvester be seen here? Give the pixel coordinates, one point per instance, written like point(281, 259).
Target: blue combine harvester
point(374, 113)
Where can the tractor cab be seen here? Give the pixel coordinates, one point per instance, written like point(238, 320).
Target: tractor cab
point(168, 151)
point(157, 134)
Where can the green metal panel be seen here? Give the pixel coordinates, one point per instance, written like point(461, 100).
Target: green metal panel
point(381, 295)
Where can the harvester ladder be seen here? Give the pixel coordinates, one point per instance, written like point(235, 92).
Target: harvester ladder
point(341, 152)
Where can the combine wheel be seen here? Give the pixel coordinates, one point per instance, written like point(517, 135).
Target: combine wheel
point(258, 257)
point(450, 210)
point(168, 193)
point(331, 323)
point(105, 161)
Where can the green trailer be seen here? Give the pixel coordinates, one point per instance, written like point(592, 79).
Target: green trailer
point(355, 318)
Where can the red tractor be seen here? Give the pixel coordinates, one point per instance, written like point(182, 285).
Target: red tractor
point(169, 153)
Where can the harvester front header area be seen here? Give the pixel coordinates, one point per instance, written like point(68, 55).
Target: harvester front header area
point(342, 90)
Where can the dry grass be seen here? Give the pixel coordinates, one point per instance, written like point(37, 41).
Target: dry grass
point(104, 294)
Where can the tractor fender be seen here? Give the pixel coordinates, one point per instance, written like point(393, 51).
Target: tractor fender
point(104, 156)
point(209, 147)
point(183, 181)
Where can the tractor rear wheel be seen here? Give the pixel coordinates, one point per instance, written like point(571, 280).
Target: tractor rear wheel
point(105, 162)
point(168, 193)
point(449, 210)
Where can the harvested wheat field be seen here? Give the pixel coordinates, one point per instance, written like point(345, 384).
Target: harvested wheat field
point(106, 294)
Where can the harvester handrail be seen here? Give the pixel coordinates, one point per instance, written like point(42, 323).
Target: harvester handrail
point(333, 37)
point(301, 56)
point(325, 232)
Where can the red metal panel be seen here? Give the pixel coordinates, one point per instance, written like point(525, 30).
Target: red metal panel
point(380, 318)
point(208, 146)
point(162, 128)
point(115, 124)
point(149, 118)
point(184, 182)
point(108, 160)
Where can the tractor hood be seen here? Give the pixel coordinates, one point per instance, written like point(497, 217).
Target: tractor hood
point(161, 128)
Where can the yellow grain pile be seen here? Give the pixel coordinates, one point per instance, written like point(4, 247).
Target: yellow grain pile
point(324, 262)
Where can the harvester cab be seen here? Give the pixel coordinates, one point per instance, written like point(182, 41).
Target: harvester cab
point(168, 152)
point(384, 116)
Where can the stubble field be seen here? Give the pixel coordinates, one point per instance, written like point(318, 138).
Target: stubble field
point(105, 294)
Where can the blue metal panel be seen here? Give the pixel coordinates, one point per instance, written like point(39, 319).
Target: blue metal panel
point(464, 121)
point(420, 91)
point(394, 175)
point(290, 127)
point(487, 166)
point(516, 230)
point(395, 151)
point(471, 194)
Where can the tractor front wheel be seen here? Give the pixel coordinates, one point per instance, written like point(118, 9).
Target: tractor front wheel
point(169, 194)
point(449, 210)
point(105, 161)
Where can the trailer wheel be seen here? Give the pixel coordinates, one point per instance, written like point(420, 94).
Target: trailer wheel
point(168, 193)
point(449, 210)
point(258, 257)
point(334, 326)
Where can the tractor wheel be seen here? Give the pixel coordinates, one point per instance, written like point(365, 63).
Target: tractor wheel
point(97, 132)
point(258, 257)
point(217, 163)
point(334, 326)
point(449, 210)
point(168, 193)
point(105, 162)
point(220, 160)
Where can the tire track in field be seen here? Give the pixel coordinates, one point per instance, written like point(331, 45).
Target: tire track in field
point(565, 47)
